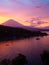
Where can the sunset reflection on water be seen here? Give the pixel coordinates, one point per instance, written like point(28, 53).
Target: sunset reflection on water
point(31, 48)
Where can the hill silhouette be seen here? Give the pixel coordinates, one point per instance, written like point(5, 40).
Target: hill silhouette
point(10, 33)
point(12, 23)
point(15, 24)
point(46, 27)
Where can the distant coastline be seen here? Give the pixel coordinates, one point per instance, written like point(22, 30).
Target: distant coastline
point(10, 33)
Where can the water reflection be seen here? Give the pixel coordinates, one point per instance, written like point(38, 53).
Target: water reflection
point(31, 48)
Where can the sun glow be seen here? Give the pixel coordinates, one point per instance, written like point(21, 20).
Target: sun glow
point(3, 19)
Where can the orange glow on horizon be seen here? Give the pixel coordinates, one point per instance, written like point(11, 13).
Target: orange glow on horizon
point(23, 20)
point(4, 19)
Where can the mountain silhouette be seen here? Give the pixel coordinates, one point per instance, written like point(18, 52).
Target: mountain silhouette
point(46, 27)
point(12, 23)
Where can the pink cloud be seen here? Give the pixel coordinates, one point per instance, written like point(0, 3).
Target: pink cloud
point(12, 0)
point(17, 2)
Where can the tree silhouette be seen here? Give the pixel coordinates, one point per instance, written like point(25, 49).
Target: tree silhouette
point(5, 62)
point(45, 58)
point(20, 60)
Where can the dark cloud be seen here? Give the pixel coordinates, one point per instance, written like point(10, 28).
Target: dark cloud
point(41, 22)
point(37, 21)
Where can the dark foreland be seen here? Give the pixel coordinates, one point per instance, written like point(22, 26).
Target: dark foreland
point(11, 33)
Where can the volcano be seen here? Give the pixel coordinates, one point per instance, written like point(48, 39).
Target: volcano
point(12, 23)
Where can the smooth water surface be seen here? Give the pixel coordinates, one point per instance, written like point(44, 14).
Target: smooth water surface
point(31, 48)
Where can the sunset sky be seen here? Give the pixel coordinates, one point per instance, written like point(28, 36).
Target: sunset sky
point(27, 12)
